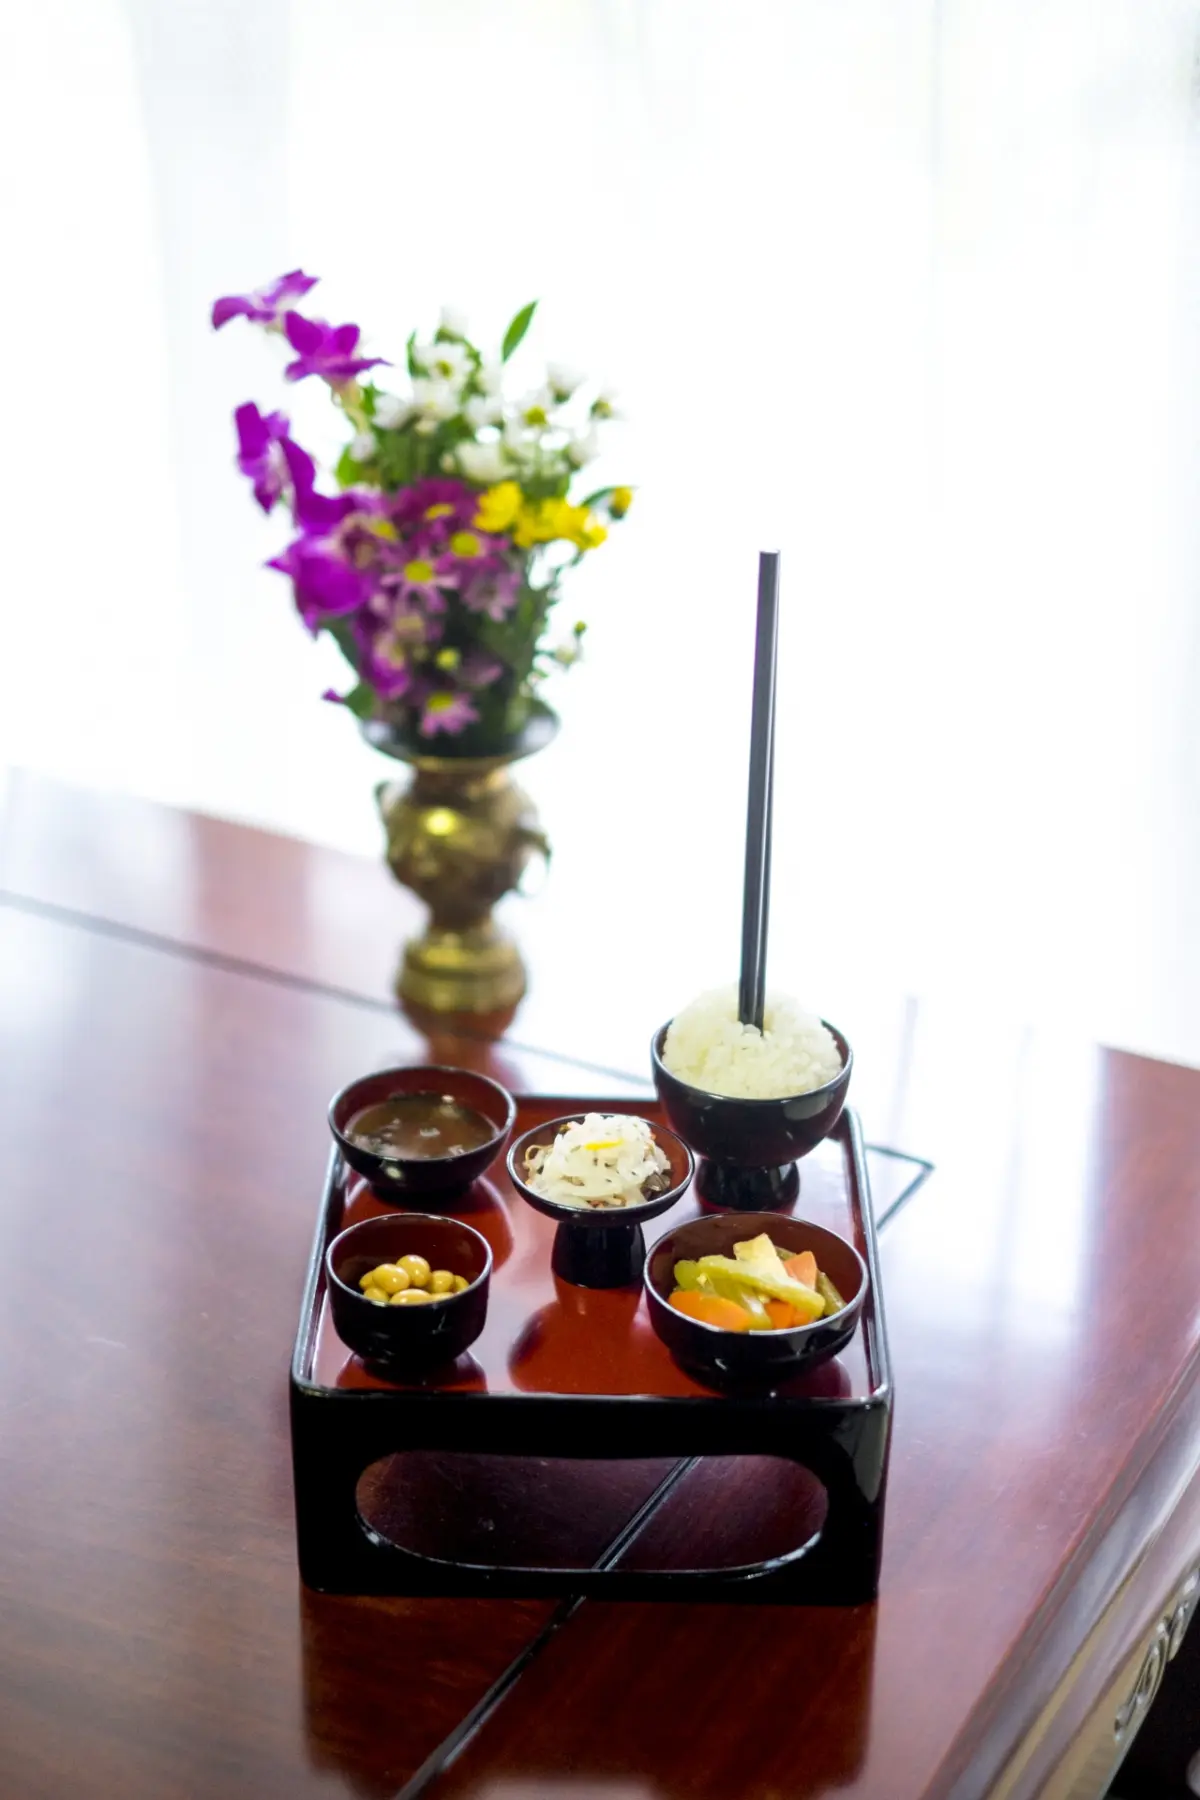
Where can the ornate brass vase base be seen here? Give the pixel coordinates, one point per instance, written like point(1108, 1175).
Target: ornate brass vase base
point(474, 971)
point(459, 835)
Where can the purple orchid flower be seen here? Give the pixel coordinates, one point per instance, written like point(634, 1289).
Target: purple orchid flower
point(266, 304)
point(447, 712)
point(321, 512)
point(324, 583)
point(325, 350)
point(494, 592)
point(262, 452)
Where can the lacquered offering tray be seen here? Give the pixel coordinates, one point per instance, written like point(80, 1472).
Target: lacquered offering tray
point(566, 1452)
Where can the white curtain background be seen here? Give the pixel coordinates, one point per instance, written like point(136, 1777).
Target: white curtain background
point(908, 289)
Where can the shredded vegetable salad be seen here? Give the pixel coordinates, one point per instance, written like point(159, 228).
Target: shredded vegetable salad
point(605, 1160)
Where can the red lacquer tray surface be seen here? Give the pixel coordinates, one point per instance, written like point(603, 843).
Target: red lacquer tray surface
point(544, 1336)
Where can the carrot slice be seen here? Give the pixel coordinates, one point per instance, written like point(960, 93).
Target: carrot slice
point(803, 1268)
point(711, 1309)
point(781, 1315)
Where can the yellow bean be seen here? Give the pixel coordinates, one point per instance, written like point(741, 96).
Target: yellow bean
point(441, 1282)
point(391, 1279)
point(374, 1294)
point(416, 1268)
point(461, 1284)
point(413, 1296)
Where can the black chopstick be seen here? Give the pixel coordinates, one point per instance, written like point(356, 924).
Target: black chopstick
point(756, 891)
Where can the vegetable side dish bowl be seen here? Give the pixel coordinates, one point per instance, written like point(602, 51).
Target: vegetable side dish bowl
point(600, 1176)
point(687, 1321)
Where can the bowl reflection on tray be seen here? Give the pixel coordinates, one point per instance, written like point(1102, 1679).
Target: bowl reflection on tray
point(481, 1206)
point(599, 1246)
point(399, 1178)
point(561, 1348)
point(464, 1375)
point(752, 1358)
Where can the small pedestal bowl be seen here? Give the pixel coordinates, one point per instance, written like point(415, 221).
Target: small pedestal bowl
point(600, 1246)
point(425, 1180)
point(400, 1341)
point(752, 1358)
point(747, 1149)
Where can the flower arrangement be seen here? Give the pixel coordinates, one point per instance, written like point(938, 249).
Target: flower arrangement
point(436, 565)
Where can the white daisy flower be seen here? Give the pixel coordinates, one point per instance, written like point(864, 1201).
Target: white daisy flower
point(482, 409)
point(562, 380)
point(604, 406)
point(516, 438)
point(535, 408)
point(583, 449)
point(485, 463)
point(489, 377)
point(445, 362)
point(362, 446)
point(453, 322)
point(434, 399)
point(390, 412)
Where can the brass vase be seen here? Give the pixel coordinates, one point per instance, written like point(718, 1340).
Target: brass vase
point(460, 834)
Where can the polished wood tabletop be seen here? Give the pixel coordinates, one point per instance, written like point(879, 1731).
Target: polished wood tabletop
point(178, 999)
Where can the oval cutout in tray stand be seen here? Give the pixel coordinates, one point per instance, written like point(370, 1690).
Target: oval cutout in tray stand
point(565, 1373)
point(527, 1512)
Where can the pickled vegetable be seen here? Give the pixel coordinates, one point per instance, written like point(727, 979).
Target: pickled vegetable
point(770, 1283)
point(802, 1268)
point(833, 1300)
point(769, 1293)
point(711, 1309)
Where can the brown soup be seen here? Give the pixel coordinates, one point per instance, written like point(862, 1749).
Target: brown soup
point(409, 1126)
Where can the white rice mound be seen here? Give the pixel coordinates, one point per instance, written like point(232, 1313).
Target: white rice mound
point(709, 1048)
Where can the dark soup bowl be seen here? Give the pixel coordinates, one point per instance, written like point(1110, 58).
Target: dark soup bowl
point(748, 1148)
point(400, 1177)
point(600, 1247)
point(404, 1340)
point(752, 1358)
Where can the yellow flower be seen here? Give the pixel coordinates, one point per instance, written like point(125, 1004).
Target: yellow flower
point(541, 521)
point(498, 507)
point(547, 521)
point(465, 544)
point(525, 534)
point(620, 502)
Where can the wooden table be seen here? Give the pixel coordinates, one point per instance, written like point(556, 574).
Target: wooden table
point(178, 998)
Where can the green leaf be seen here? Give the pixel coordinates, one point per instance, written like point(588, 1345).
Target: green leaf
point(339, 630)
point(517, 329)
point(361, 700)
point(408, 354)
point(600, 494)
point(346, 470)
